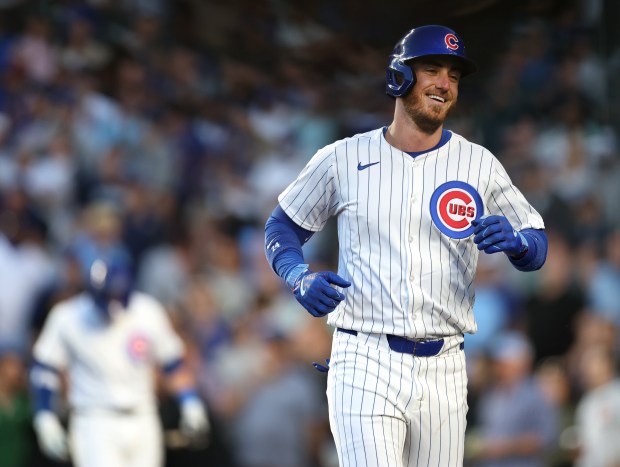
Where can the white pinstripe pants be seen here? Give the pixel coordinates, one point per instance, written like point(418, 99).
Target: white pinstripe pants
point(102, 438)
point(391, 409)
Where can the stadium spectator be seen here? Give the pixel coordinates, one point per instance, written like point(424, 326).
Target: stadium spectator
point(517, 425)
point(17, 441)
point(598, 411)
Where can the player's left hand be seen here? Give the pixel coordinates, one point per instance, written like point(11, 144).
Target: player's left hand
point(194, 422)
point(495, 233)
point(316, 294)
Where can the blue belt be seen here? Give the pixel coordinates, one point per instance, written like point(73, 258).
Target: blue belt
point(413, 347)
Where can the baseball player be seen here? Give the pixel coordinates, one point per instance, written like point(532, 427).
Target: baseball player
point(415, 204)
point(109, 339)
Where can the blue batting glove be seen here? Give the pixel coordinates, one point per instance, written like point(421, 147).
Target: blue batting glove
point(315, 292)
point(495, 233)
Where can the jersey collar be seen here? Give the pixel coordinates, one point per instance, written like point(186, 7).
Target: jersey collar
point(445, 137)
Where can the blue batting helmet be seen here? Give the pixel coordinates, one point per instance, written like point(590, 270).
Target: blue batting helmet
point(110, 280)
point(421, 42)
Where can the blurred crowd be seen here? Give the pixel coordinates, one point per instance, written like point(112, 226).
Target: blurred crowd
point(165, 130)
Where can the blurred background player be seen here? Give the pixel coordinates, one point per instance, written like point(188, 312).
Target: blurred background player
point(109, 340)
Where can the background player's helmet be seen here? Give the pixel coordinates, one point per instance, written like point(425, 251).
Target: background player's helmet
point(110, 280)
point(421, 42)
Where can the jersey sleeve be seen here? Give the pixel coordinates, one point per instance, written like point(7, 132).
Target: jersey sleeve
point(50, 347)
point(311, 199)
point(168, 345)
point(505, 199)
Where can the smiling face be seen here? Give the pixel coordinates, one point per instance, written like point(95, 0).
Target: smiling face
point(434, 93)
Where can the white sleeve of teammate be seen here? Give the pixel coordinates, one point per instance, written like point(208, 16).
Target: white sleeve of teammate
point(50, 348)
point(505, 199)
point(168, 345)
point(312, 199)
point(50, 351)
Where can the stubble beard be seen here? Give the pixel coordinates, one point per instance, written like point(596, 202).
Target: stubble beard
point(427, 119)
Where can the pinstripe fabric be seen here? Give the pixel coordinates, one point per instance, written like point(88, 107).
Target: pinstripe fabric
point(393, 409)
point(408, 278)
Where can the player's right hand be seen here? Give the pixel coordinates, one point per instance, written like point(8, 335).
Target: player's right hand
point(51, 435)
point(314, 291)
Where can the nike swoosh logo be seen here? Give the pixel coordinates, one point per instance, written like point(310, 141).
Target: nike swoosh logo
point(362, 167)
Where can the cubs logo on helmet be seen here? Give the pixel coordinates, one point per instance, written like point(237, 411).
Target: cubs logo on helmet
point(454, 205)
point(452, 42)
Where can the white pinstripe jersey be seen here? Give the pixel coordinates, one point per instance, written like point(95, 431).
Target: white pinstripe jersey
point(398, 228)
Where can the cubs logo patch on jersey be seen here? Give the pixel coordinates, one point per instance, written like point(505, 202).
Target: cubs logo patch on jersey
point(454, 205)
point(138, 348)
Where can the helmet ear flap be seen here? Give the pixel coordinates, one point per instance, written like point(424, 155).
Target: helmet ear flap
point(399, 78)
